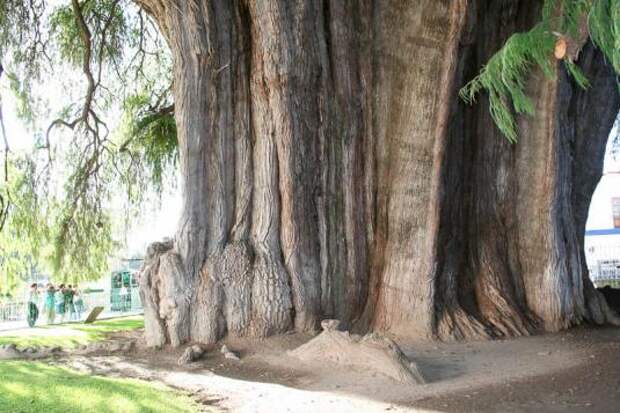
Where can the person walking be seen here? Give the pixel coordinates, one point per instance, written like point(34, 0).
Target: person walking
point(124, 295)
point(59, 300)
point(69, 294)
point(33, 302)
point(79, 303)
point(50, 304)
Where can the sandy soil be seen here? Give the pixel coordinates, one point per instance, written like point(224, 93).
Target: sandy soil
point(578, 370)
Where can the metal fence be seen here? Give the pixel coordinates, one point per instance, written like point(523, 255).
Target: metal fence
point(130, 301)
point(12, 311)
point(604, 264)
point(111, 301)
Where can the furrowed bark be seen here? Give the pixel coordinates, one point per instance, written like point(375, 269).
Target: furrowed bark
point(512, 251)
point(346, 151)
point(331, 171)
point(410, 125)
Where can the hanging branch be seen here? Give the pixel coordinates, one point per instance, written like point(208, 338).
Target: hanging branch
point(561, 34)
point(4, 137)
point(87, 113)
point(4, 199)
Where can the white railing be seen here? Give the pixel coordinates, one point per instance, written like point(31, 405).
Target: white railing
point(12, 311)
point(16, 310)
point(603, 262)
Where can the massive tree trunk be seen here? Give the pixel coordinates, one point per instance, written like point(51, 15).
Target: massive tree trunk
point(330, 171)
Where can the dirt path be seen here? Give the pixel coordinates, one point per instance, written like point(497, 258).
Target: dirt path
point(585, 379)
point(577, 370)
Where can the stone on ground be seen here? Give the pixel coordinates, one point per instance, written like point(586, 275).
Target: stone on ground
point(191, 354)
point(229, 354)
point(9, 351)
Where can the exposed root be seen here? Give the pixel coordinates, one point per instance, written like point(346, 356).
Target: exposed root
point(502, 315)
point(237, 292)
point(456, 324)
point(598, 309)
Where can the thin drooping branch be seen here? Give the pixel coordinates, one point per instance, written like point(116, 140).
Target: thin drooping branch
point(87, 111)
point(4, 137)
point(4, 200)
point(87, 41)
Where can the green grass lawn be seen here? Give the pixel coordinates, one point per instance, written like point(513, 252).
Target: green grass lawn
point(69, 335)
point(36, 387)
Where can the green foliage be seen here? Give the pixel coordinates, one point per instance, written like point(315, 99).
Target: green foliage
point(64, 214)
point(97, 14)
point(35, 387)
point(150, 138)
point(505, 75)
point(23, 98)
point(81, 243)
point(22, 238)
point(70, 240)
point(20, 24)
point(604, 24)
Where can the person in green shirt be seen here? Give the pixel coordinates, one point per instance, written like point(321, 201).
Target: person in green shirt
point(60, 302)
point(33, 301)
point(50, 304)
point(68, 294)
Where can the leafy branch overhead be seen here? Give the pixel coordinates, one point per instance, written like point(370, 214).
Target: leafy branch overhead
point(87, 149)
point(563, 30)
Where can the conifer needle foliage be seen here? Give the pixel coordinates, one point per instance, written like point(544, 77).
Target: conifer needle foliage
point(101, 145)
point(505, 75)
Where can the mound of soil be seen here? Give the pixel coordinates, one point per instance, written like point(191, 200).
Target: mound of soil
point(370, 352)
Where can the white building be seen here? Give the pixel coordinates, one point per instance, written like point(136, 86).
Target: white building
point(602, 238)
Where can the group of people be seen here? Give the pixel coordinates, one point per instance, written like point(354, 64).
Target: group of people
point(58, 301)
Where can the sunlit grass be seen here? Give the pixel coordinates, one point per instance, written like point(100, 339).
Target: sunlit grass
point(38, 387)
point(69, 335)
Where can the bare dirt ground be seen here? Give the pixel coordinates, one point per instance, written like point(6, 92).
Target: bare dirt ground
point(577, 370)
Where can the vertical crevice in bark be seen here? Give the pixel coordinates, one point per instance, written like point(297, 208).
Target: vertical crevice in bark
point(480, 293)
point(492, 258)
point(455, 306)
point(344, 131)
point(522, 249)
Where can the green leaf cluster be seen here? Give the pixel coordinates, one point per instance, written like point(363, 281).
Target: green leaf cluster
point(506, 74)
point(97, 14)
point(65, 216)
